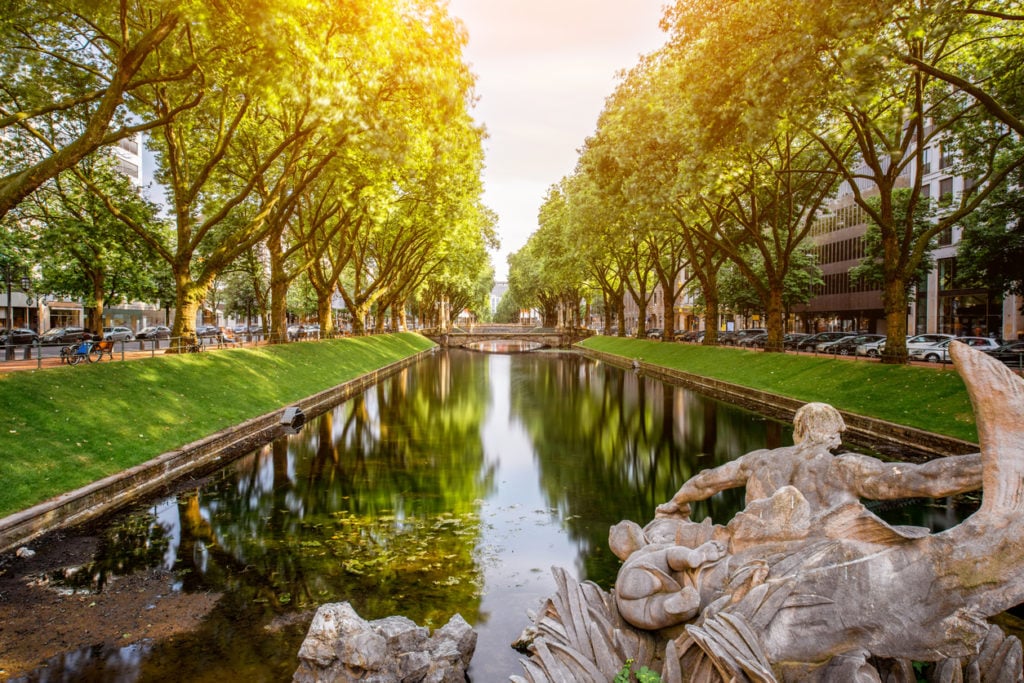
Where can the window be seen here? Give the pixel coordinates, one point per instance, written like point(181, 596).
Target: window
point(129, 145)
point(947, 274)
point(945, 191)
point(128, 168)
point(926, 161)
point(945, 157)
point(946, 236)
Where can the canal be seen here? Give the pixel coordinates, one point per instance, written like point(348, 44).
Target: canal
point(451, 487)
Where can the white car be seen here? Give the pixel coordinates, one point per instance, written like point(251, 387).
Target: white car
point(118, 333)
point(939, 353)
point(875, 349)
point(871, 349)
point(922, 340)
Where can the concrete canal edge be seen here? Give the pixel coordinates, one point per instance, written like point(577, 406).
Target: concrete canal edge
point(888, 438)
point(158, 474)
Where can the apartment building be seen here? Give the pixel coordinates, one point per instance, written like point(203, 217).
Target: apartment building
point(940, 303)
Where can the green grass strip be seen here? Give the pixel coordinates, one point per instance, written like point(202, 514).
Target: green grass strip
point(930, 398)
point(66, 427)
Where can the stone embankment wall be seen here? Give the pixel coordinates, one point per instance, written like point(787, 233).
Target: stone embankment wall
point(887, 438)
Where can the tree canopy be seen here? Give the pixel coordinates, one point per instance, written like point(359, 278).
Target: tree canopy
point(327, 140)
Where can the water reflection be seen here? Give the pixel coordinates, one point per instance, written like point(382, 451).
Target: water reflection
point(451, 487)
point(504, 346)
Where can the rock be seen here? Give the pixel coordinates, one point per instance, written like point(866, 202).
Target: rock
point(341, 646)
point(25, 552)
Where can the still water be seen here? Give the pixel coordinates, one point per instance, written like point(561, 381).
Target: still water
point(451, 487)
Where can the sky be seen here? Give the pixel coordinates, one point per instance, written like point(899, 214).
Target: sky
point(544, 69)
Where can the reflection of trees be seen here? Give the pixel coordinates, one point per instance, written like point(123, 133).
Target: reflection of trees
point(374, 502)
point(611, 445)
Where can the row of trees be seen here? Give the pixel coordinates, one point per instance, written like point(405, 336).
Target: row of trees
point(718, 153)
point(328, 141)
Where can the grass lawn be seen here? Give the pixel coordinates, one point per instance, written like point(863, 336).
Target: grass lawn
point(928, 398)
point(69, 426)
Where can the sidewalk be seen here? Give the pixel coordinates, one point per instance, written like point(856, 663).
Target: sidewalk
point(54, 361)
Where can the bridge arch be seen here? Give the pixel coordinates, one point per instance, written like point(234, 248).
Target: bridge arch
point(550, 338)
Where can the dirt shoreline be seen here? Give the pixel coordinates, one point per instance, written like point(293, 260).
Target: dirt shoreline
point(41, 620)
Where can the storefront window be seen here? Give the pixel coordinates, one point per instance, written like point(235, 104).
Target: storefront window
point(921, 307)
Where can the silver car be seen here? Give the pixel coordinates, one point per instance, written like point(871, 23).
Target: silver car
point(939, 353)
point(118, 333)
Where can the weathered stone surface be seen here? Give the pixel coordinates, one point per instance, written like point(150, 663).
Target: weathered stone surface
point(341, 646)
point(806, 584)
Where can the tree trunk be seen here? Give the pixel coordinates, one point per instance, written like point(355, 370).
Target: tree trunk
point(188, 297)
point(775, 327)
point(358, 318)
point(669, 314)
point(95, 322)
point(895, 299)
point(324, 314)
point(711, 316)
point(278, 308)
point(278, 289)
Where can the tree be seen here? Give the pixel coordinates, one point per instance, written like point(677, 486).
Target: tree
point(85, 252)
point(761, 213)
point(859, 77)
point(991, 249)
point(508, 309)
point(78, 60)
point(871, 269)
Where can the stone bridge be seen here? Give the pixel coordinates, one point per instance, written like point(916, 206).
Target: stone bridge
point(542, 337)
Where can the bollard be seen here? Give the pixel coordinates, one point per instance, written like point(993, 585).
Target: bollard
point(28, 352)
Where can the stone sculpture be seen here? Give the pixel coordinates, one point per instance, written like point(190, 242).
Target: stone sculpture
point(806, 584)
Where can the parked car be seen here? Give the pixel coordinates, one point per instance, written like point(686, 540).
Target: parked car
point(922, 340)
point(211, 331)
point(915, 341)
point(753, 341)
point(847, 346)
point(824, 347)
point(734, 337)
point(154, 332)
point(62, 335)
point(118, 333)
point(871, 349)
point(686, 335)
point(19, 335)
point(811, 343)
point(791, 339)
point(939, 353)
point(655, 333)
point(255, 328)
point(1012, 354)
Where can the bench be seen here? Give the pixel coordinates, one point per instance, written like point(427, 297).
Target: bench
point(103, 346)
point(226, 339)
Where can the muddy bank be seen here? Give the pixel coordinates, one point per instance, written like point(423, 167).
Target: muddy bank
point(44, 615)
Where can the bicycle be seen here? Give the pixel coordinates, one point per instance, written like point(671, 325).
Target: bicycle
point(80, 353)
point(189, 345)
point(88, 350)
